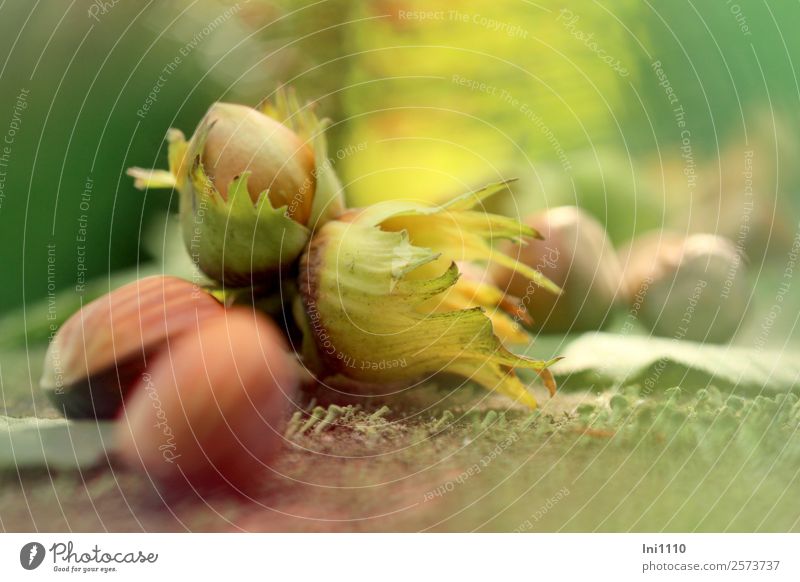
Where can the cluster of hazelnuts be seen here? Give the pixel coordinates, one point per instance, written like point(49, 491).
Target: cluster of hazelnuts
point(688, 287)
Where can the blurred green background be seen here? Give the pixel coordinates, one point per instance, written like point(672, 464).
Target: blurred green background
point(428, 99)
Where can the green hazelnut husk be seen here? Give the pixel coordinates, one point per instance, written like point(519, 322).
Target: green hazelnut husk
point(252, 184)
point(382, 305)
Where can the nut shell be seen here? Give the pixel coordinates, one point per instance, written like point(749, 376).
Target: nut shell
point(691, 288)
point(577, 255)
point(102, 350)
point(211, 409)
point(240, 139)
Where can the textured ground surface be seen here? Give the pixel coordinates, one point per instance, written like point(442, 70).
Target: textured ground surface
point(675, 460)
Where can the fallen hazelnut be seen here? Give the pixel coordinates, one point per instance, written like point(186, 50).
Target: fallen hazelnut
point(101, 351)
point(210, 410)
point(693, 288)
point(577, 255)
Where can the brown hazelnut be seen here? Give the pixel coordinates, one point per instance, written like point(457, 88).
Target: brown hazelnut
point(577, 255)
point(692, 288)
point(101, 351)
point(210, 410)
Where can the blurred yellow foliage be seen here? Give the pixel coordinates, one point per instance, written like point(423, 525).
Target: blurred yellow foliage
point(449, 95)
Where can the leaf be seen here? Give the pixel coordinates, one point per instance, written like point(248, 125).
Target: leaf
point(602, 360)
point(27, 443)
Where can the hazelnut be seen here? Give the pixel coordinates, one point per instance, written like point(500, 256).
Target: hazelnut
point(577, 255)
point(102, 350)
point(210, 410)
point(693, 288)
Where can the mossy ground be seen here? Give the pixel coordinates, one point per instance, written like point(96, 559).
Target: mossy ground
point(443, 460)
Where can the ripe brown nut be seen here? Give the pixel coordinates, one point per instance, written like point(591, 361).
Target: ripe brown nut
point(101, 351)
point(691, 288)
point(210, 410)
point(577, 255)
point(239, 138)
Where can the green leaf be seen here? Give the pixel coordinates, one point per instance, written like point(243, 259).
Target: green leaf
point(601, 360)
point(39, 443)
